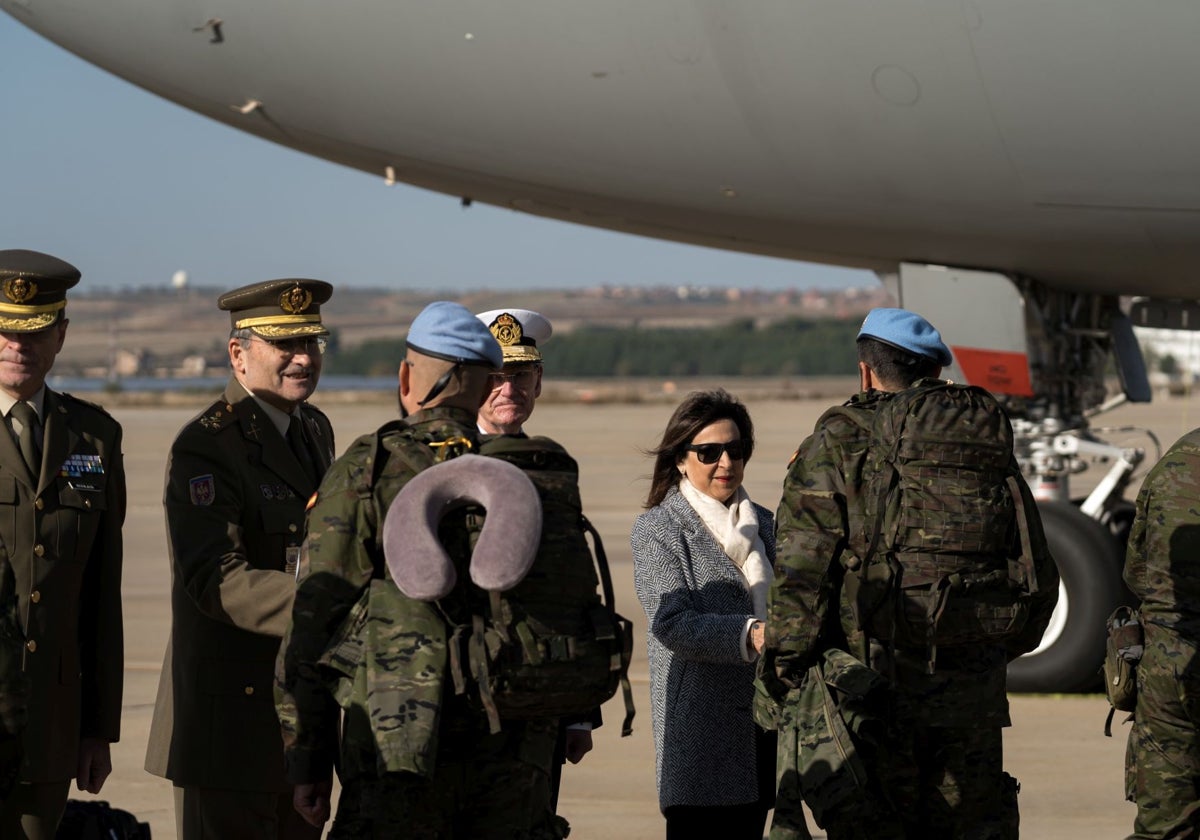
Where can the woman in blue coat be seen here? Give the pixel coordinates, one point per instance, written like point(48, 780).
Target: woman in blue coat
point(702, 557)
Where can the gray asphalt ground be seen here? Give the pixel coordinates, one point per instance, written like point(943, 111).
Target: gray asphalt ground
point(1071, 775)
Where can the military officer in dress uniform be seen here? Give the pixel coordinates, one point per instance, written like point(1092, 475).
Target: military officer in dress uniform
point(238, 478)
point(62, 504)
point(515, 389)
point(512, 393)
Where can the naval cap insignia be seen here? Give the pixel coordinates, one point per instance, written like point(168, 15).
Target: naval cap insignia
point(295, 300)
point(19, 289)
point(506, 329)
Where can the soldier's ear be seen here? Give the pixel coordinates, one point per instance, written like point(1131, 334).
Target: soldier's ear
point(866, 377)
point(237, 355)
point(405, 378)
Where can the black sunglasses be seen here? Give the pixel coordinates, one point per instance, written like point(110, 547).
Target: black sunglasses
point(710, 453)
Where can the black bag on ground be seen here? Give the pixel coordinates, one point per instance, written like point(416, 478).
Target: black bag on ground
point(94, 819)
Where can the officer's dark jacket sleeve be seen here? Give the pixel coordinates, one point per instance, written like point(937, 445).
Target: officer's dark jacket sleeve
point(812, 527)
point(336, 566)
point(209, 541)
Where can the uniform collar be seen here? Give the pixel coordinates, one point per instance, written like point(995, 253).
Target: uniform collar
point(38, 401)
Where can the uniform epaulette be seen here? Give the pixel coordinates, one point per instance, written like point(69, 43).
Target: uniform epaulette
point(86, 403)
point(310, 407)
point(218, 416)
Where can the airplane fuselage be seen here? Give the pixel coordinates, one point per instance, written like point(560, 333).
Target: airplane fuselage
point(1054, 139)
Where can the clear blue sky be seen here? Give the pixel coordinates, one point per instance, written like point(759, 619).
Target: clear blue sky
point(132, 188)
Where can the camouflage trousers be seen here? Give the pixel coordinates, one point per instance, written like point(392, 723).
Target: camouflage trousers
point(1162, 765)
point(932, 782)
point(484, 787)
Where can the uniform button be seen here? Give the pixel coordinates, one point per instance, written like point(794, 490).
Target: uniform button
point(31, 646)
point(87, 503)
point(292, 527)
point(35, 596)
point(38, 503)
point(39, 550)
point(249, 690)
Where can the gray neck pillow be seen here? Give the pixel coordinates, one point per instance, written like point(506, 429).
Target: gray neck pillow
point(507, 545)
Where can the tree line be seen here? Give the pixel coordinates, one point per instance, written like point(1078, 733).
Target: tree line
point(793, 347)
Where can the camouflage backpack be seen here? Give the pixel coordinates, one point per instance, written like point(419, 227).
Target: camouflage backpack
point(548, 647)
point(944, 545)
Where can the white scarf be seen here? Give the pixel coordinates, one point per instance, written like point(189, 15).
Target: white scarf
point(735, 528)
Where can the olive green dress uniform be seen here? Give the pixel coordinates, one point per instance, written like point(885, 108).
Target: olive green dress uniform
point(62, 532)
point(235, 500)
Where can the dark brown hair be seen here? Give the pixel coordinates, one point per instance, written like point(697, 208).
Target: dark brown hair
point(698, 410)
point(895, 368)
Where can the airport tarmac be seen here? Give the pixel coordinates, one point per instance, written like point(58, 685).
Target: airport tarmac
point(1071, 775)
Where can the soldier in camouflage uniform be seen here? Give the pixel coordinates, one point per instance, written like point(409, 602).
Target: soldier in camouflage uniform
point(416, 760)
point(933, 765)
point(1161, 569)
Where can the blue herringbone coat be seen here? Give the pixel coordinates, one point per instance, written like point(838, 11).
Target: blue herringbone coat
point(701, 690)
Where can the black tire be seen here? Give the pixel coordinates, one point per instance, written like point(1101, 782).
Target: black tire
point(1089, 566)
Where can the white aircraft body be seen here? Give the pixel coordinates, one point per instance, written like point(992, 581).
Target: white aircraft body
point(1009, 168)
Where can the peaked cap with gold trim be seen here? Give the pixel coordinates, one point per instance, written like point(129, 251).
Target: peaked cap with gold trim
point(518, 331)
point(33, 289)
point(278, 308)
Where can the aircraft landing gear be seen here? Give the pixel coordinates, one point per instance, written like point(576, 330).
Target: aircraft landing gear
point(1089, 568)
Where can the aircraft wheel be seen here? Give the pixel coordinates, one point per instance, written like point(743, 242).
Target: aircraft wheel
point(1071, 653)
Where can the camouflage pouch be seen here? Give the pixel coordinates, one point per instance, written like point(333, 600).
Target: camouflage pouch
point(1122, 651)
point(832, 711)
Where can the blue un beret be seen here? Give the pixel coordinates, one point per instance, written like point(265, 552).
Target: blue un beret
point(449, 331)
point(906, 331)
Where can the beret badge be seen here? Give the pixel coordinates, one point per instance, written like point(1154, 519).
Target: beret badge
point(19, 289)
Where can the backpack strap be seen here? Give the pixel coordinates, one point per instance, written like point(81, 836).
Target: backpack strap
point(1029, 573)
point(620, 659)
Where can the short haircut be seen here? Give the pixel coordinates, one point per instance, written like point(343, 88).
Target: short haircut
point(895, 368)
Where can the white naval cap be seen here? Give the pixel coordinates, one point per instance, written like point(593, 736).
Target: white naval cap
point(519, 331)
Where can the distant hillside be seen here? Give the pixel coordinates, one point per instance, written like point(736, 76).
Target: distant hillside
point(605, 331)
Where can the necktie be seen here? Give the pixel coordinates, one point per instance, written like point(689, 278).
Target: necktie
point(299, 447)
point(24, 414)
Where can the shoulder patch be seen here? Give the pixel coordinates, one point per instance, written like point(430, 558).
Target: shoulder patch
point(203, 490)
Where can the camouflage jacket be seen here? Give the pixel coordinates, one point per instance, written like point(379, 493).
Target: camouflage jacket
point(1161, 565)
point(355, 642)
point(819, 521)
